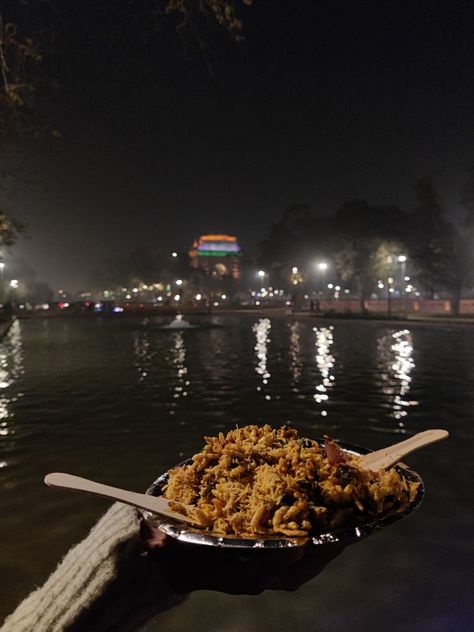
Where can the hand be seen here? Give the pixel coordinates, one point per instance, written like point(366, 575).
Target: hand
point(188, 567)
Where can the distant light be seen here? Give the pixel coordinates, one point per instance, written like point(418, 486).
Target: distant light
point(306, 297)
point(257, 302)
point(294, 270)
point(330, 286)
point(177, 297)
point(408, 288)
point(135, 290)
point(159, 299)
point(322, 266)
point(60, 292)
point(287, 303)
point(252, 293)
point(128, 296)
point(402, 258)
point(2, 265)
point(224, 296)
point(346, 291)
point(215, 303)
point(390, 280)
point(174, 254)
point(14, 283)
point(45, 306)
point(380, 286)
point(118, 309)
point(407, 278)
point(417, 294)
point(337, 288)
point(261, 274)
point(63, 305)
point(21, 306)
point(391, 290)
point(198, 297)
point(179, 281)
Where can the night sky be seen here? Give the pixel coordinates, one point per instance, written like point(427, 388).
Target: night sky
point(323, 102)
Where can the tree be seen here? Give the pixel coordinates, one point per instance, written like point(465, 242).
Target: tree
point(467, 199)
point(32, 32)
point(296, 240)
point(366, 237)
point(440, 251)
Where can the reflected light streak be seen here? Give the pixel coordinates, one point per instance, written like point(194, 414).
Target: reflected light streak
point(178, 353)
point(11, 369)
point(295, 352)
point(142, 354)
point(262, 331)
point(325, 362)
point(397, 352)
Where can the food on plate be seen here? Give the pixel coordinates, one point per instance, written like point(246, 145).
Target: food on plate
point(260, 481)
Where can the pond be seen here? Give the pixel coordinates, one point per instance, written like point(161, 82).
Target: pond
point(120, 401)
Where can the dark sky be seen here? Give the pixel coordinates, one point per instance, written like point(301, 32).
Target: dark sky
point(323, 102)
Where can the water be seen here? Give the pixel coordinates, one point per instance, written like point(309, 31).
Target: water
point(121, 401)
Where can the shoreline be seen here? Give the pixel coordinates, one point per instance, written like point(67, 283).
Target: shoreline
point(395, 319)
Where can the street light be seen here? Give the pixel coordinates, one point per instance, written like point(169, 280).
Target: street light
point(174, 254)
point(322, 267)
point(403, 260)
point(14, 284)
point(261, 274)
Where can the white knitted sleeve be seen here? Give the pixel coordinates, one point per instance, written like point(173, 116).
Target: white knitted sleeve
point(103, 583)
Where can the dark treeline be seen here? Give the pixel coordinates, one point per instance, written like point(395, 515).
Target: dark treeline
point(362, 243)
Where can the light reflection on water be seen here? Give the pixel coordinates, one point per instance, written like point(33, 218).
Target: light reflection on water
point(262, 337)
point(11, 369)
point(396, 356)
point(178, 354)
point(295, 354)
point(325, 362)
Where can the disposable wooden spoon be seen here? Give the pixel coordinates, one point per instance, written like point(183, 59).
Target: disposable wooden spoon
point(394, 453)
point(155, 504)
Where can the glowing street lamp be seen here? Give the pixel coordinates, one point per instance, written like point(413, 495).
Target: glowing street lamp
point(14, 284)
point(262, 274)
point(174, 254)
point(179, 281)
point(322, 266)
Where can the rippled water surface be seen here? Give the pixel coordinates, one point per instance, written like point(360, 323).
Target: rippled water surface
point(121, 401)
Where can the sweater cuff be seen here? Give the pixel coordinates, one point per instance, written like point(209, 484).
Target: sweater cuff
point(103, 583)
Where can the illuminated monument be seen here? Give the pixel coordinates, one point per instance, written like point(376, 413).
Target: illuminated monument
point(217, 255)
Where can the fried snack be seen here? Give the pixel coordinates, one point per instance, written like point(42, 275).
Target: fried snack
point(259, 481)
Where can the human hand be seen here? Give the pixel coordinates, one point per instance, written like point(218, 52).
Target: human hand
point(188, 567)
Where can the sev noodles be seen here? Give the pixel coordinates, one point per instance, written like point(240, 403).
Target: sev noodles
point(262, 481)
